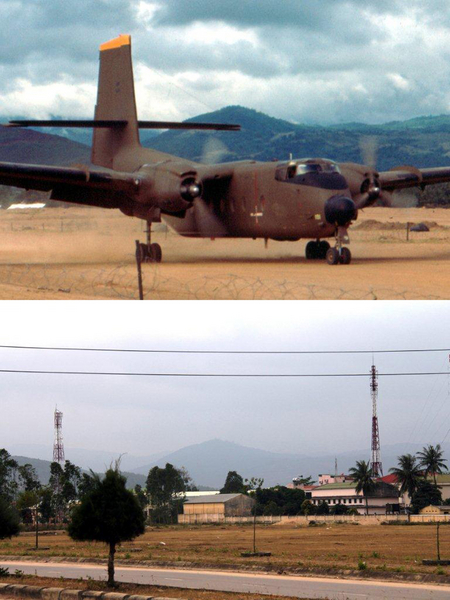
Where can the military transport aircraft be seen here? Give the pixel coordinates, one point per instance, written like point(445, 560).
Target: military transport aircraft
point(311, 198)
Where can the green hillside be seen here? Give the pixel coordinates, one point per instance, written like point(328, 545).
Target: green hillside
point(43, 471)
point(422, 142)
point(34, 147)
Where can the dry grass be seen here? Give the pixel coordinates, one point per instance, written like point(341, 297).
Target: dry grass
point(382, 547)
point(89, 253)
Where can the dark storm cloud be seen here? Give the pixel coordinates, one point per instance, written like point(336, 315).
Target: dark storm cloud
point(54, 29)
point(317, 60)
point(315, 14)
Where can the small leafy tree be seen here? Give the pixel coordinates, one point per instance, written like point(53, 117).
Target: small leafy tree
point(108, 513)
point(9, 520)
point(234, 484)
point(288, 501)
point(8, 468)
point(164, 485)
point(308, 508)
point(141, 496)
point(426, 493)
point(323, 508)
point(339, 509)
point(47, 508)
point(253, 485)
point(28, 478)
point(87, 484)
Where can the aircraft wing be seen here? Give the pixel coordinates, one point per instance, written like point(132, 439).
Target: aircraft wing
point(405, 177)
point(81, 185)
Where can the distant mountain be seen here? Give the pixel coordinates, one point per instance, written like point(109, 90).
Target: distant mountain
point(43, 471)
point(97, 460)
point(28, 146)
point(422, 141)
point(209, 462)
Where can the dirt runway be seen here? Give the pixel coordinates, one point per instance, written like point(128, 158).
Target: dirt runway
point(82, 253)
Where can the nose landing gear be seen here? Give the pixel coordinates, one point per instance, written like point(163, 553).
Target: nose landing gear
point(340, 254)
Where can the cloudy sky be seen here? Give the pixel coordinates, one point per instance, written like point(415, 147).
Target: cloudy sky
point(314, 61)
point(145, 415)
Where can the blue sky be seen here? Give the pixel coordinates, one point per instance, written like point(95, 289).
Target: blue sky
point(324, 61)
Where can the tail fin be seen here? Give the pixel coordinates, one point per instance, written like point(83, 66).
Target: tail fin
point(115, 101)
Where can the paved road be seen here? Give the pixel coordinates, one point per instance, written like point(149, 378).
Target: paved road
point(303, 587)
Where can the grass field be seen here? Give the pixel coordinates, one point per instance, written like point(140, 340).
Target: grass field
point(390, 548)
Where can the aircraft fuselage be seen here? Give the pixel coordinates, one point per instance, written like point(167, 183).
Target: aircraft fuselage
point(262, 201)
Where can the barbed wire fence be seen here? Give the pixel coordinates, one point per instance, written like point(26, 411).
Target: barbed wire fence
point(121, 282)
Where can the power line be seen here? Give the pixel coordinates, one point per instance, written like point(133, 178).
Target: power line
point(153, 351)
point(236, 375)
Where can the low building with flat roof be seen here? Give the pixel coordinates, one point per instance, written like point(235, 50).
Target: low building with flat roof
point(228, 505)
point(345, 494)
point(435, 510)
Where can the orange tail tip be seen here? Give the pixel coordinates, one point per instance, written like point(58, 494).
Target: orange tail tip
point(122, 40)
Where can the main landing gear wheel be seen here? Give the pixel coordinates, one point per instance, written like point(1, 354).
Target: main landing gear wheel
point(155, 253)
point(316, 250)
point(149, 253)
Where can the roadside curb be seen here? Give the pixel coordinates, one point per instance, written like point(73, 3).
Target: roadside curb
point(51, 593)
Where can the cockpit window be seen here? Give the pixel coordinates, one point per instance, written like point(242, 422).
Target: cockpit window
point(295, 169)
point(314, 173)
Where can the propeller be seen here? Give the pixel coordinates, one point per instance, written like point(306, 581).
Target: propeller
point(370, 190)
point(208, 223)
point(214, 150)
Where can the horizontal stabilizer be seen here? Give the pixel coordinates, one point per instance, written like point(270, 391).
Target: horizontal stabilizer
point(123, 123)
point(67, 123)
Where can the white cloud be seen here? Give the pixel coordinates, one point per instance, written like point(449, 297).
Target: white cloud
point(43, 101)
point(398, 81)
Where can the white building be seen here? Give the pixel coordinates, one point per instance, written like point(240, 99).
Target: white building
point(345, 494)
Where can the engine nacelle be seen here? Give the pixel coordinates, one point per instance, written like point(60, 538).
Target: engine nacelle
point(169, 189)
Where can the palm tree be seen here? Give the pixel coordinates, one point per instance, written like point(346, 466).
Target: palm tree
point(431, 459)
point(362, 474)
point(407, 473)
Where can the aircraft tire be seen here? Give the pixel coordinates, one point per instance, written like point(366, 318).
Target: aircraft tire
point(142, 253)
point(346, 256)
point(156, 253)
point(312, 250)
point(332, 256)
point(323, 249)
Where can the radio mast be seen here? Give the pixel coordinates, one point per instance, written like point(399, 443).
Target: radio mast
point(377, 468)
point(58, 446)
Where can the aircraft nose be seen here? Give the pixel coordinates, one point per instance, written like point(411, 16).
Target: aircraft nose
point(340, 210)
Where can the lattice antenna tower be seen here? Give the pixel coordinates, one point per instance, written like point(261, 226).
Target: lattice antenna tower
point(377, 467)
point(58, 446)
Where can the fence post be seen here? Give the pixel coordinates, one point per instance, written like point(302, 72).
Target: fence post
point(408, 225)
point(139, 270)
